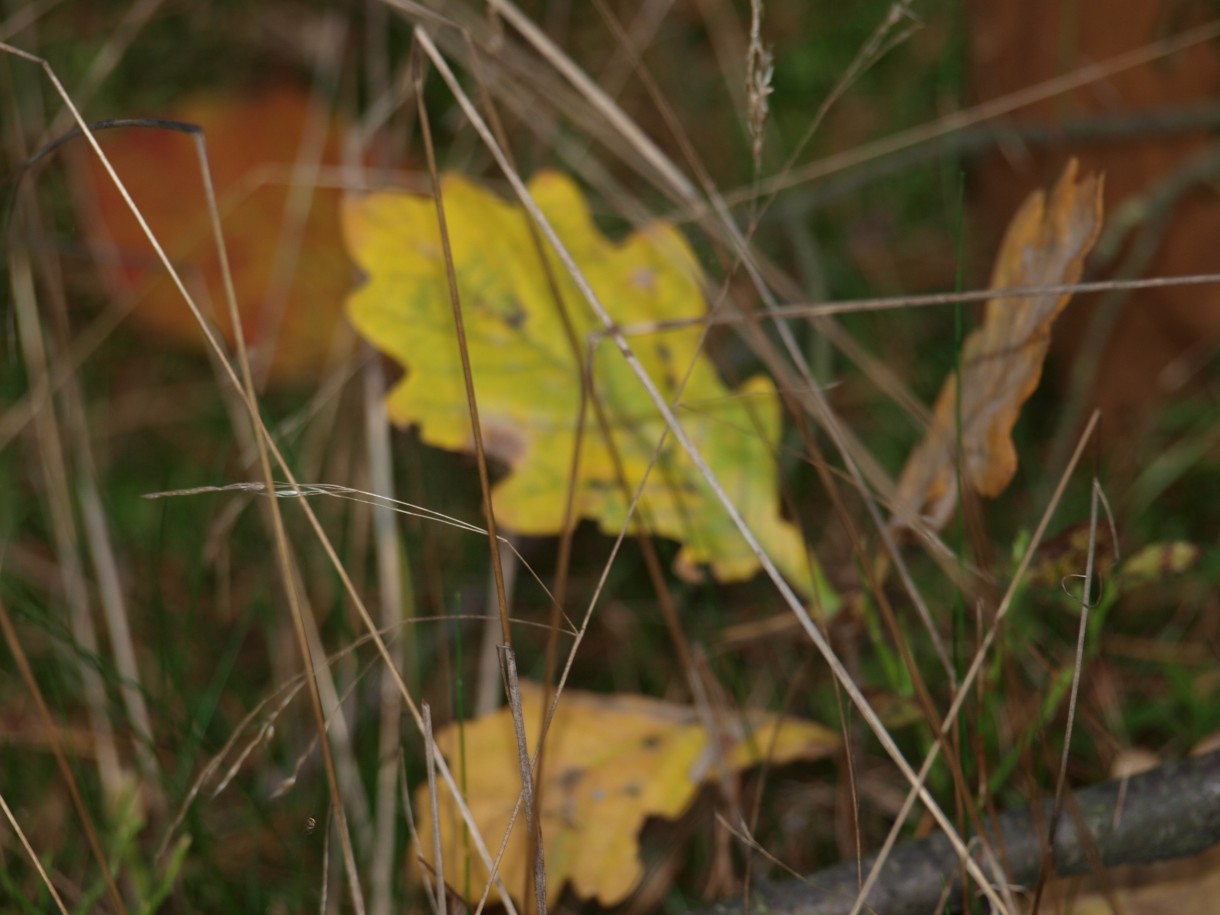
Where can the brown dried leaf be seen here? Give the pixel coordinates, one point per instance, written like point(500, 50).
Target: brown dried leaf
point(1001, 361)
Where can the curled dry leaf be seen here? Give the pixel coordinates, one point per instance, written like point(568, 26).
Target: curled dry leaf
point(528, 374)
point(610, 763)
point(1001, 362)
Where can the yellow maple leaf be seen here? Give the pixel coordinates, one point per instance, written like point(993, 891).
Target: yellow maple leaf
point(611, 762)
point(528, 380)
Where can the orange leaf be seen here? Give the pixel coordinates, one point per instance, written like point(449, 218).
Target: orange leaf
point(290, 271)
point(1001, 362)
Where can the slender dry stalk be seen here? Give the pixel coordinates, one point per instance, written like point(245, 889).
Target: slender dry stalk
point(476, 426)
point(760, 68)
point(33, 856)
point(512, 687)
point(497, 562)
point(442, 897)
point(1086, 597)
point(397, 604)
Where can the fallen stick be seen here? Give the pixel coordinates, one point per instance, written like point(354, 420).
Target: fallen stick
point(1170, 812)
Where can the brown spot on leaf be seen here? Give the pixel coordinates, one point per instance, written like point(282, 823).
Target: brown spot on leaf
point(503, 442)
point(644, 279)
